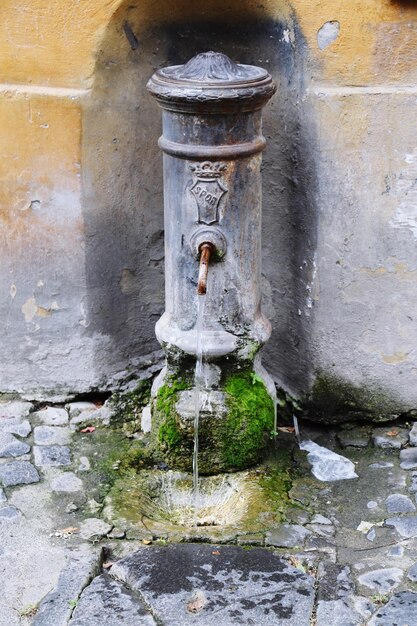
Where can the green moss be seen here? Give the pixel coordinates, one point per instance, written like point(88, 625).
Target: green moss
point(169, 432)
point(334, 400)
point(249, 420)
point(129, 405)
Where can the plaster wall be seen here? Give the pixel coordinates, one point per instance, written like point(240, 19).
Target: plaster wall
point(81, 193)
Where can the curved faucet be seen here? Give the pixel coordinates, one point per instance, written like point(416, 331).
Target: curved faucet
point(205, 250)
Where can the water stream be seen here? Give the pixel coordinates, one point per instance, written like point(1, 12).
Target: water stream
point(199, 386)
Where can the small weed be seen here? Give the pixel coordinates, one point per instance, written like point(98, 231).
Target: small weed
point(28, 611)
point(380, 598)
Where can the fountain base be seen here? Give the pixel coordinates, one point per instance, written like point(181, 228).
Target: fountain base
point(235, 424)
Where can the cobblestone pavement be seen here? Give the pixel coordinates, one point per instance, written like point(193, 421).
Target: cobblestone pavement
point(346, 556)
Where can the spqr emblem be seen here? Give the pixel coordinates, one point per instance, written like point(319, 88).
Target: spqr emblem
point(208, 190)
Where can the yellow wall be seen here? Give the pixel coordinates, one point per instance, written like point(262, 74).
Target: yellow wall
point(49, 51)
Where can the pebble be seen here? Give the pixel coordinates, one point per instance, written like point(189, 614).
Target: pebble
point(93, 506)
point(412, 573)
point(51, 456)
point(406, 527)
point(287, 536)
point(381, 438)
point(401, 609)
point(9, 512)
point(18, 473)
point(67, 482)
point(52, 416)
point(397, 503)
point(116, 533)
point(372, 504)
point(2, 495)
point(371, 535)
point(15, 410)
point(75, 408)
point(71, 508)
point(51, 435)
point(413, 435)
point(382, 579)
point(12, 447)
point(93, 528)
point(408, 458)
point(84, 465)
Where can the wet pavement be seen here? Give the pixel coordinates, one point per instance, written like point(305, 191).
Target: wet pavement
point(341, 552)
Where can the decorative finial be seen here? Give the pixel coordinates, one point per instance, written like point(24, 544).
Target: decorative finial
point(211, 66)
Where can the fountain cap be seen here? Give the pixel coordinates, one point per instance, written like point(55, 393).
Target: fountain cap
point(211, 83)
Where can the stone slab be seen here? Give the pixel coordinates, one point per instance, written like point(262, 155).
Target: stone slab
point(15, 409)
point(107, 601)
point(18, 473)
point(337, 613)
point(398, 503)
point(408, 458)
point(382, 580)
point(93, 528)
point(51, 435)
point(52, 416)
point(67, 482)
point(81, 565)
point(51, 456)
point(412, 573)
point(75, 408)
point(413, 435)
point(100, 417)
point(9, 512)
point(287, 536)
point(401, 609)
point(354, 438)
point(406, 527)
point(22, 428)
point(226, 585)
point(389, 437)
point(10, 446)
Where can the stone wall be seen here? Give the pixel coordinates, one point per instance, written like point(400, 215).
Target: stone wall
point(81, 192)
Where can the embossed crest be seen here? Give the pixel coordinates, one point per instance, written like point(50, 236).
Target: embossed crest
point(208, 190)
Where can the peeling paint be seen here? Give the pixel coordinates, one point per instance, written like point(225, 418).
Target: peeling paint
point(30, 308)
point(406, 191)
point(327, 34)
point(394, 359)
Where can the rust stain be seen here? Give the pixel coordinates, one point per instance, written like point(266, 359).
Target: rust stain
point(394, 359)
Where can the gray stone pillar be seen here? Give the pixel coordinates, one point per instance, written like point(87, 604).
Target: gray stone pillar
point(212, 143)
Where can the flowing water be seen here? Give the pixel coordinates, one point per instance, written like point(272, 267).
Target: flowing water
point(199, 386)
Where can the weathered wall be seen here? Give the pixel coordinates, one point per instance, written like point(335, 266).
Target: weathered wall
point(81, 197)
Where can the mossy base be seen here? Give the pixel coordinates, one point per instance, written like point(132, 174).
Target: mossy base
point(235, 423)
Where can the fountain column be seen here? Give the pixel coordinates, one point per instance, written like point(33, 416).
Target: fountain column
point(212, 143)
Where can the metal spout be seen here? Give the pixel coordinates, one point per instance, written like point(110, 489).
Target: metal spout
point(206, 249)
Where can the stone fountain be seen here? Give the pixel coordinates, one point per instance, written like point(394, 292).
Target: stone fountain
point(212, 143)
